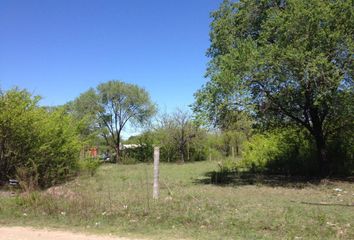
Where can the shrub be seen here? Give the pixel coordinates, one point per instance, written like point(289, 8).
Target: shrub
point(283, 151)
point(57, 153)
point(228, 165)
point(129, 160)
point(89, 165)
point(292, 151)
point(39, 145)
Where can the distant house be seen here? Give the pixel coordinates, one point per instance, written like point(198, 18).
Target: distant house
point(130, 146)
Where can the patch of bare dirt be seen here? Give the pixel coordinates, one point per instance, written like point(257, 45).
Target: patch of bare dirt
point(61, 192)
point(24, 233)
point(6, 193)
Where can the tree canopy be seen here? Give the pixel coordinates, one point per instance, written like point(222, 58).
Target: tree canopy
point(113, 105)
point(283, 62)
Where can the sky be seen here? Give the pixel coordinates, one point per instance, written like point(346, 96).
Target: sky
point(60, 48)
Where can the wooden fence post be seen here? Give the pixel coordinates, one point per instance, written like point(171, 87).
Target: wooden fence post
point(155, 193)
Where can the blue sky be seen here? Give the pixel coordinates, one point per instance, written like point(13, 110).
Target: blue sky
point(60, 48)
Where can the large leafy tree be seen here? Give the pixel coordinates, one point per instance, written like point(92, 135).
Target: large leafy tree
point(113, 105)
point(285, 62)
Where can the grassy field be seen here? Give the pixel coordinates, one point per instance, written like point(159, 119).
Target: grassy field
point(118, 200)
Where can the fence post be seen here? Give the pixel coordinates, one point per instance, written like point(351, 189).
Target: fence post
point(155, 193)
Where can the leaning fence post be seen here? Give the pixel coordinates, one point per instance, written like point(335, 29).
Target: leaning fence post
point(155, 193)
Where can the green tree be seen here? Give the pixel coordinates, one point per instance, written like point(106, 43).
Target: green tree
point(285, 62)
point(84, 111)
point(113, 105)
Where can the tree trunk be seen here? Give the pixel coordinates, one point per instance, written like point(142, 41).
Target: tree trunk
point(117, 150)
point(322, 156)
point(182, 154)
point(317, 132)
point(182, 157)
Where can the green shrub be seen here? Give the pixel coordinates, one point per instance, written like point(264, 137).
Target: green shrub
point(283, 151)
point(58, 151)
point(38, 145)
point(89, 165)
point(129, 160)
point(228, 165)
point(292, 152)
point(260, 150)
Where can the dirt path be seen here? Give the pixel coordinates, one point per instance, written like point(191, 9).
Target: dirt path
point(24, 233)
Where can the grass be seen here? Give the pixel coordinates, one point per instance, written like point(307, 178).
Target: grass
point(118, 200)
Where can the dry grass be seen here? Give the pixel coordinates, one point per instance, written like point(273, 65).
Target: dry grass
point(118, 199)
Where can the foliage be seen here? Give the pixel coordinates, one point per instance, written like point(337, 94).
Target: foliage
point(289, 151)
point(57, 153)
point(144, 150)
point(180, 138)
point(283, 62)
point(89, 165)
point(341, 149)
point(19, 136)
point(36, 144)
point(113, 105)
point(83, 112)
point(283, 151)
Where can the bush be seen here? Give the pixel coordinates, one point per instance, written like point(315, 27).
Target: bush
point(37, 144)
point(228, 165)
point(129, 160)
point(58, 150)
point(89, 165)
point(292, 152)
point(283, 151)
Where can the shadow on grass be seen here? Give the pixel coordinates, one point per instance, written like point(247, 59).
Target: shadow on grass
point(249, 178)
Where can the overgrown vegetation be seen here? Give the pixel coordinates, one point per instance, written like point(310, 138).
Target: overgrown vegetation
point(38, 146)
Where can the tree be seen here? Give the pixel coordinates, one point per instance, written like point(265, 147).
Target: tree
point(115, 104)
point(183, 132)
point(179, 137)
point(164, 129)
point(84, 111)
point(179, 130)
point(284, 62)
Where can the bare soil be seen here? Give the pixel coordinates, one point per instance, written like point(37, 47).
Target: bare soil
point(26, 233)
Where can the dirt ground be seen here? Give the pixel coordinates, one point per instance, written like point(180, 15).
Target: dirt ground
point(24, 233)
